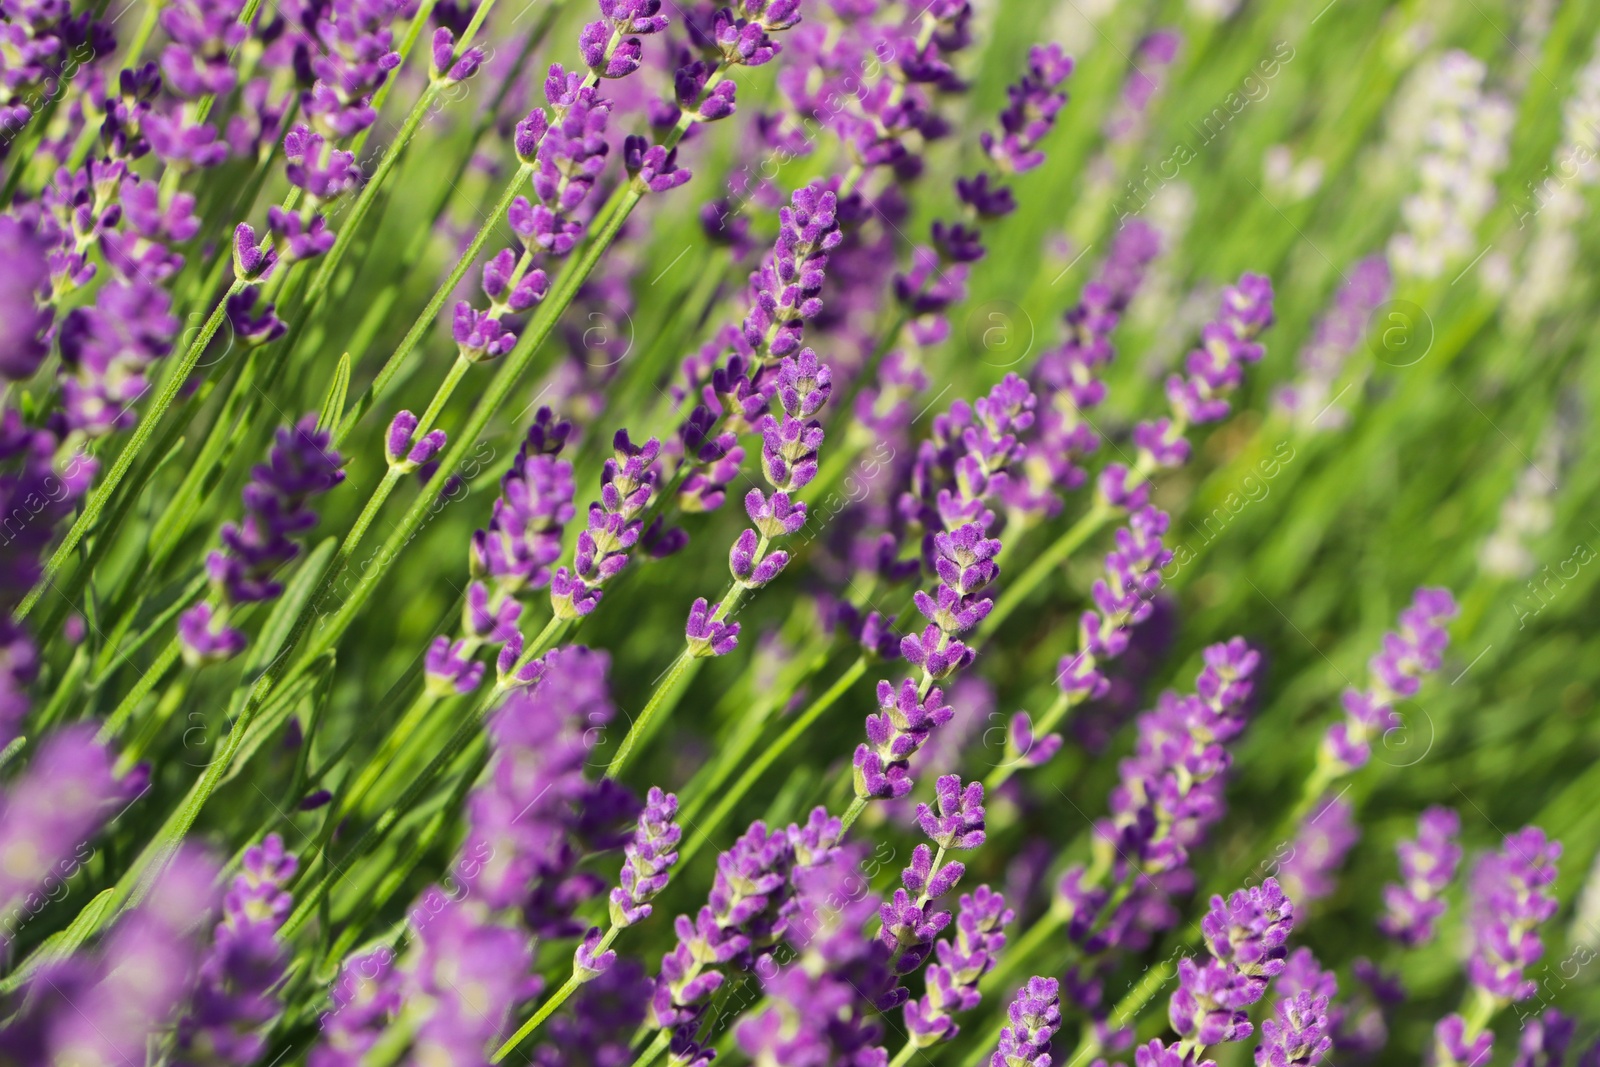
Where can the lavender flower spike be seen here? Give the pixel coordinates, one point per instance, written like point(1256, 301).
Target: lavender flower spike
point(1416, 650)
point(1508, 899)
point(952, 984)
point(300, 466)
point(1034, 1017)
point(627, 485)
point(650, 856)
point(236, 999)
point(1427, 865)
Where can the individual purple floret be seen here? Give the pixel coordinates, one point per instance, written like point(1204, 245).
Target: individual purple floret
point(51, 813)
point(447, 68)
point(955, 819)
point(1033, 1019)
point(707, 632)
point(627, 486)
point(237, 997)
point(1214, 370)
point(1545, 1040)
point(952, 984)
point(404, 450)
point(1320, 845)
point(1427, 866)
point(650, 856)
point(300, 466)
point(1407, 656)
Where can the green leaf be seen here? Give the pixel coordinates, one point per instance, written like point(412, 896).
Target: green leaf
point(287, 609)
point(333, 403)
point(62, 943)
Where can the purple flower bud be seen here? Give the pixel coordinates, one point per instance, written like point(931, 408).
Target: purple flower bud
point(956, 819)
point(650, 856)
point(709, 636)
point(448, 667)
point(654, 166)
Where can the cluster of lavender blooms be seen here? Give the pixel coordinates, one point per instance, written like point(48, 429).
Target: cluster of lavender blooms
point(1211, 372)
point(1170, 794)
point(1509, 899)
point(1466, 139)
point(103, 1007)
point(301, 465)
point(1427, 866)
point(936, 277)
point(1246, 936)
point(1067, 377)
point(237, 996)
point(532, 824)
point(1415, 650)
point(43, 42)
point(1310, 399)
point(511, 556)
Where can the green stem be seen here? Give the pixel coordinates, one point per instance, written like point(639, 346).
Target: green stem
point(1015, 594)
point(147, 681)
point(653, 1050)
point(704, 828)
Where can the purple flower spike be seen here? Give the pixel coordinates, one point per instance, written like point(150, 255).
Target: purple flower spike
point(523, 537)
point(236, 998)
point(1320, 846)
point(1033, 1018)
point(650, 856)
point(956, 818)
point(1297, 1035)
point(952, 984)
point(1214, 371)
point(1247, 931)
point(107, 348)
point(627, 485)
point(1415, 650)
point(277, 511)
point(1035, 102)
point(787, 287)
point(1427, 866)
point(708, 635)
point(1509, 895)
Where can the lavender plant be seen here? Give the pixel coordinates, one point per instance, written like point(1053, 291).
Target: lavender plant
point(385, 678)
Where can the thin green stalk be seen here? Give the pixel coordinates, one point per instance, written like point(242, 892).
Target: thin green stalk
point(653, 1050)
point(704, 828)
point(1015, 594)
point(553, 1002)
point(149, 420)
point(142, 688)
